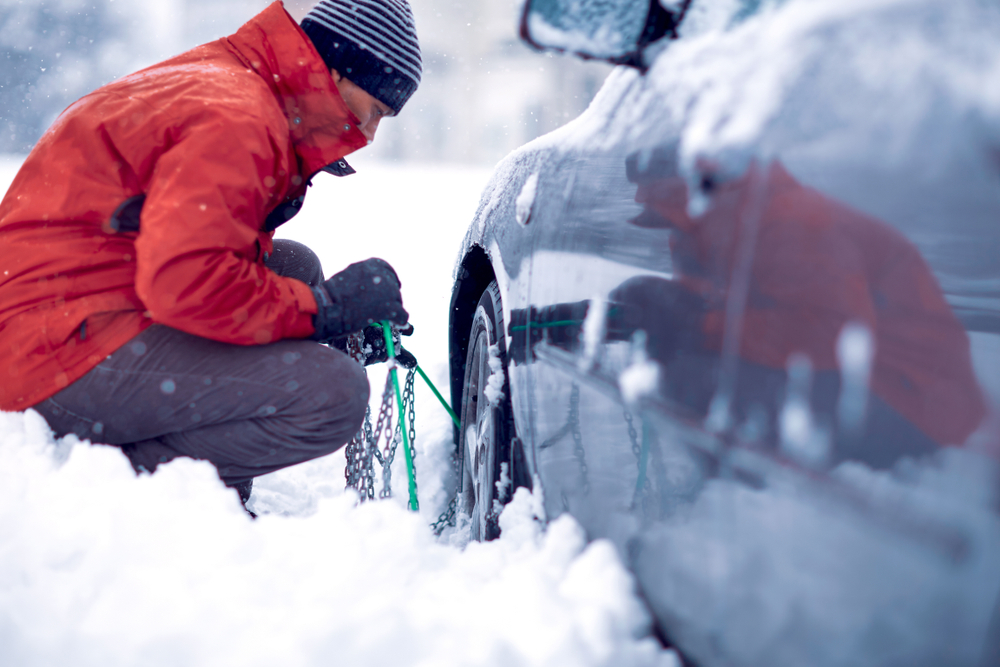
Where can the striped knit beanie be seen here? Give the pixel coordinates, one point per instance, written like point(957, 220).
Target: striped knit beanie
point(372, 43)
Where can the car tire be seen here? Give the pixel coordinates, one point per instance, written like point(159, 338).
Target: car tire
point(486, 423)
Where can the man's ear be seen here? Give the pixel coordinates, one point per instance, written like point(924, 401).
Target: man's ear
point(336, 75)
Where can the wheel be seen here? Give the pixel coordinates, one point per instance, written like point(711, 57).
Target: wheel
point(484, 436)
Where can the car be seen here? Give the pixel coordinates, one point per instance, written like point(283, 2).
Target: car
point(742, 319)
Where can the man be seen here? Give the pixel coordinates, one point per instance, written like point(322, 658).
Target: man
point(143, 302)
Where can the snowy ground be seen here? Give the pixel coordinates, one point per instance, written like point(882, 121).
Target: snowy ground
point(100, 567)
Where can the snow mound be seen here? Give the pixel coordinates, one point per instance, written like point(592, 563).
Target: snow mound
point(100, 567)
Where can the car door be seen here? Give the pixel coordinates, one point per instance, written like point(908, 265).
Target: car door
point(754, 380)
point(590, 448)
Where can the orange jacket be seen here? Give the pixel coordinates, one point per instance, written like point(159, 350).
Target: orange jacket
point(818, 265)
point(215, 138)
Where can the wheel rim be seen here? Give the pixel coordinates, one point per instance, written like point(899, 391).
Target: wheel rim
point(479, 441)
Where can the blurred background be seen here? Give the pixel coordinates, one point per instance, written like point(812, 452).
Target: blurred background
point(483, 91)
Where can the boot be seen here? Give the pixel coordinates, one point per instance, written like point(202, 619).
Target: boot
point(245, 489)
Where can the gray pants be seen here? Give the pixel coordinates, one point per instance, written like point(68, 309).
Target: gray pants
point(250, 410)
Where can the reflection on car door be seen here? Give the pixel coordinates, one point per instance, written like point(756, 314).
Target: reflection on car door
point(717, 388)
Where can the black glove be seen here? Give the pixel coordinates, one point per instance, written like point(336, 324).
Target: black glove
point(364, 293)
point(367, 347)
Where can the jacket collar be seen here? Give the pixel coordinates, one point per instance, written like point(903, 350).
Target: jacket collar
point(322, 128)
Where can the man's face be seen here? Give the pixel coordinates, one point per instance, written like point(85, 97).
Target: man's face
point(368, 109)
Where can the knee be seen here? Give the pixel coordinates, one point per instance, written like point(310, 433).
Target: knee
point(340, 397)
point(296, 260)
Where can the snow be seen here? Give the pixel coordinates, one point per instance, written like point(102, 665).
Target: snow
point(503, 484)
point(855, 355)
point(101, 567)
point(525, 200)
point(503, 488)
point(642, 376)
point(801, 437)
point(594, 325)
point(638, 380)
point(494, 384)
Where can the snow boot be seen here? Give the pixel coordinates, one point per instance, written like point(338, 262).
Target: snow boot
point(245, 489)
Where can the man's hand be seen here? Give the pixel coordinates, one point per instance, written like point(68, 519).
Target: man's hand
point(367, 347)
point(363, 294)
point(376, 352)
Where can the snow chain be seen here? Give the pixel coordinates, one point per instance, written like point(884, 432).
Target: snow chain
point(364, 449)
point(380, 443)
point(447, 517)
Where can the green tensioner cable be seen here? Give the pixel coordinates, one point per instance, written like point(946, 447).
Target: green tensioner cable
point(410, 473)
point(437, 393)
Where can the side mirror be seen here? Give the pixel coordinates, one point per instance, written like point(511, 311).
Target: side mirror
point(615, 31)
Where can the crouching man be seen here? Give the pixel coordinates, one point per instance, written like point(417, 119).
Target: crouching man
point(143, 302)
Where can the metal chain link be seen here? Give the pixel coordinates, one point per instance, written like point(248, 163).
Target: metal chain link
point(409, 404)
point(450, 515)
point(389, 455)
point(363, 450)
point(409, 407)
point(447, 517)
point(359, 471)
point(352, 454)
point(633, 437)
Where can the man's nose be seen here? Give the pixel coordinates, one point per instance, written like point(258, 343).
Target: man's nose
point(369, 129)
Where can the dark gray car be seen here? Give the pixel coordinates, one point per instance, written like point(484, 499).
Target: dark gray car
point(742, 318)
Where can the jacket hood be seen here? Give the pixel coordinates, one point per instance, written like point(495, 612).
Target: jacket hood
point(322, 128)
